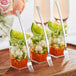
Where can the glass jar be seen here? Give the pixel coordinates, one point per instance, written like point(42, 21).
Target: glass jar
point(38, 48)
point(45, 10)
point(64, 5)
point(18, 57)
point(56, 40)
point(18, 50)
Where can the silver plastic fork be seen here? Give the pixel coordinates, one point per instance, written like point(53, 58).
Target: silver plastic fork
point(29, 63)
point(66, 54)
point(49, 60)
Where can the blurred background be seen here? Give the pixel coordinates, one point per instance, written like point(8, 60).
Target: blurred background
point(28, 17)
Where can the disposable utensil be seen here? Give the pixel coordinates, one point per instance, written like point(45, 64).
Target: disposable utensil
point(29, 64)
point(49, 60)
point(52, 7)
point(65, 51)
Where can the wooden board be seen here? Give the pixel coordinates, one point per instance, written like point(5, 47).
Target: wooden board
point(60, 66)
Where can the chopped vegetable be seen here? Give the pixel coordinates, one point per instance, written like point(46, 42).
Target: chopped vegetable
point(18, 51)
point(19, 64)
point(38, 38)
point(39, 49)
point(57, 51)
point(57, 40)
point(18, 34)
point(56, 29)
point(36, 29)
point(39, 57)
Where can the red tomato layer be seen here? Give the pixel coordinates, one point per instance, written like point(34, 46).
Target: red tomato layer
point(19, 64)
point(57, 51)
point(38, 57)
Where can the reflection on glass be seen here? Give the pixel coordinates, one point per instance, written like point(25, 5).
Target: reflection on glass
point(64, 5)
point(44, 8)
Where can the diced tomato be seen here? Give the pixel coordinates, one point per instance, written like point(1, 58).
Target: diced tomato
point(38, 57)
point(57, 51)
point(19, 64)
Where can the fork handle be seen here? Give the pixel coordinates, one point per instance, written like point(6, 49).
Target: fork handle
point(59, 10)
point(18, 15)
point(38, 9)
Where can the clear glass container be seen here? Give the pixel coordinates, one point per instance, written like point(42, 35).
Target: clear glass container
point(57, 47)
point(45, 10)
point(64, 5)
point(18, 57)
point(38, 48)
point(56, 40)
point(18, 51)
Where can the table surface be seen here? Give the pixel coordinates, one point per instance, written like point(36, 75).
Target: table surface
point(61, 67)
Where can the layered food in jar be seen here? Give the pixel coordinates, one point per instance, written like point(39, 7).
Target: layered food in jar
point(18, 51)
point(38, 46)
point(56, 41)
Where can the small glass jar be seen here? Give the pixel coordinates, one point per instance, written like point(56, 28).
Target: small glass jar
point(38, 47)
point(56, 40)
point(18, 57)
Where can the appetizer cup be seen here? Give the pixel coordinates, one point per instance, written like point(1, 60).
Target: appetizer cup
point(56, 40)
point(38, 48)
point(18, 51)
